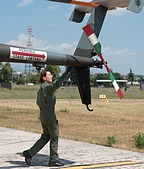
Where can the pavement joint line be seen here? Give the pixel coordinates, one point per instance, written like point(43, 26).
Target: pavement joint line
point(111, 164)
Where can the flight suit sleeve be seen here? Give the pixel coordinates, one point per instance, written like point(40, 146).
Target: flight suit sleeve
point(65, 76)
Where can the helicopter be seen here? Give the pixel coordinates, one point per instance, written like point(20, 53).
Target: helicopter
point(83, 58)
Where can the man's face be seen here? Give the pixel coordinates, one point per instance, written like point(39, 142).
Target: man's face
point(48, 77)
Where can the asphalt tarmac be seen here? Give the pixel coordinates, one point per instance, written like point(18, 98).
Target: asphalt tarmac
point(73, 154)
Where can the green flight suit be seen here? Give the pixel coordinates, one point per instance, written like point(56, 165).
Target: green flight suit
point(46, 100)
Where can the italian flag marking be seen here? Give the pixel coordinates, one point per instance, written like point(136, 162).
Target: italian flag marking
point(97, 46)
point(116, 86)
point(92, 38)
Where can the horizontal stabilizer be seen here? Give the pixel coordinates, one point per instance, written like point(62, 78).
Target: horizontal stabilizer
point(77, 16)
point(136, 5)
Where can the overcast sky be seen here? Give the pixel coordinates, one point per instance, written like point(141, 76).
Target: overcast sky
point(122, 35)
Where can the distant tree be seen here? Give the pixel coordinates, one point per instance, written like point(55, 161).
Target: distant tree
point(141, 78)
point(1, 65)
point(20, 80)
point(118, 76)
point(130, 76)
point(27, 79)
point(93, 80)
point(6, 72)
point(1, 76)
point(34, 78)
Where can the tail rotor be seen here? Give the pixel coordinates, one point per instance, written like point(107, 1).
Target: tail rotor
point(97, 46)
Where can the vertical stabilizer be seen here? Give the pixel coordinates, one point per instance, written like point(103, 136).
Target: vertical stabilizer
point(135, 5)
point(96, 19)
point(84, 49)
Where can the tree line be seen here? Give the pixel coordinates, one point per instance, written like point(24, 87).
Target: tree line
point(6, 75)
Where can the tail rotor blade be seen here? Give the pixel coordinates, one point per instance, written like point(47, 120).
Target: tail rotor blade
point(97, 46)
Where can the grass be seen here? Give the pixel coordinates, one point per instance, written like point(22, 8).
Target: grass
point(29, 92)
point(121, 119)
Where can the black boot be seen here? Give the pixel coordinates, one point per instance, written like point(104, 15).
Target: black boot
point(28, 157)
point(58, 164)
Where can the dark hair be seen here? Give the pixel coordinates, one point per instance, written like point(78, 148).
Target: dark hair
point(42, 74)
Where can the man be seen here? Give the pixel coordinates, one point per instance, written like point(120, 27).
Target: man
point(46, 101)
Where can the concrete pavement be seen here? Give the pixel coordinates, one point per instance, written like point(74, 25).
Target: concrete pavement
point(74, 154)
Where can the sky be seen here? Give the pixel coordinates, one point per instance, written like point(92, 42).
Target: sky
point(121, 37)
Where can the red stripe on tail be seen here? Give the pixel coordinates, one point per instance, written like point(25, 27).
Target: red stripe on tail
point(88, 30)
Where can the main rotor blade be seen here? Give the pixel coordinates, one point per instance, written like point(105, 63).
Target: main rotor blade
point(75, 2)
point(97, 46)
point(84, 3)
